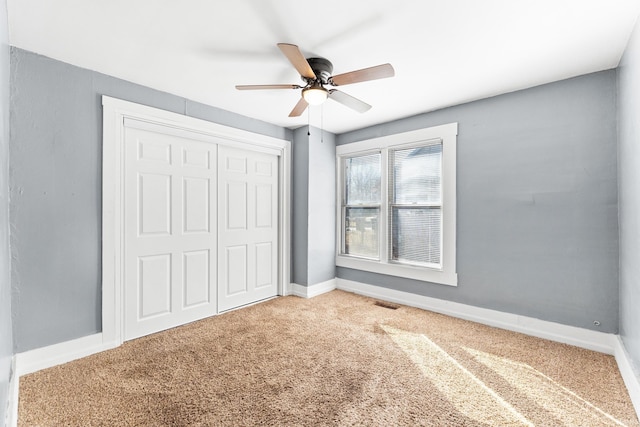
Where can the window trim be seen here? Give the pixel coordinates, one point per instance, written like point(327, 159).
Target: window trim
point(445, 275)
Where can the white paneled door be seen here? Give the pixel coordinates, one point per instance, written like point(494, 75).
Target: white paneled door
point(247, 227)
point(170, 231)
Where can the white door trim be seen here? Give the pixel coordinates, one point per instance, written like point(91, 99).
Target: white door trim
point(115, 112)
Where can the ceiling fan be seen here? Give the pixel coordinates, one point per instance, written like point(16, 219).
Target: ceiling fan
point(316, 73)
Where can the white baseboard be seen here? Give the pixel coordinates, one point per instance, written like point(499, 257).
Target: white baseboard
point(298, 290)
point(288, 289)
point(12, 410)
point(629, 374)
point(313, 290)
point(56, 354)
point(579, 337)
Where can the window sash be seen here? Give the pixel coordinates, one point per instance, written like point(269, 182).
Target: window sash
point(346, 178)
point(418, 176)
point(400, 245)
point(368, 236)
point(402, 249)
point(361, 233)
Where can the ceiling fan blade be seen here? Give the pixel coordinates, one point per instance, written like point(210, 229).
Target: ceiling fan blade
point(349, 101)
point(257, 87)
point(366, 74)
point(299, 108)
point(297, 59)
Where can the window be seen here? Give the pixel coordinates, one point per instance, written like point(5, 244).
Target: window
point(397, 205)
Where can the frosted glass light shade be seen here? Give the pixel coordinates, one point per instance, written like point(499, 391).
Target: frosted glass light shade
point(315, 95)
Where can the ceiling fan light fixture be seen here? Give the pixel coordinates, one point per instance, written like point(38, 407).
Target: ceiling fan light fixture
point(315, 95)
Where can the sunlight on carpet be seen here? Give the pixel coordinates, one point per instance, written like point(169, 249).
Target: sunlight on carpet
point(552, 396)
point(467, 393)
point(479, 402)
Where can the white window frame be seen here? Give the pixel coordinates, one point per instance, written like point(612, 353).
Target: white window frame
point(446, 274)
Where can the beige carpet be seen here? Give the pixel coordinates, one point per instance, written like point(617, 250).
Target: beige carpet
point(337, 359)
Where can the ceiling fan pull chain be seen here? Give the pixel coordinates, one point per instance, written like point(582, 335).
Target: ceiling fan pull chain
point(308, 121)
point(322, 123)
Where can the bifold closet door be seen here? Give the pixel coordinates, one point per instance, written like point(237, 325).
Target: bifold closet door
point(247, 227)
point(170, 231)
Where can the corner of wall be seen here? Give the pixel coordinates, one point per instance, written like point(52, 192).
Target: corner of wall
point(629, 373)
point(8, 376)
point(300, 206)
point(321, 231)
point(628, 158)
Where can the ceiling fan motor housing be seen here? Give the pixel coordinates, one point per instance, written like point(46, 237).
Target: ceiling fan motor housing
point(322, 68)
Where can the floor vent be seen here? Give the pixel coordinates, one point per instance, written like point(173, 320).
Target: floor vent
point(388, 305)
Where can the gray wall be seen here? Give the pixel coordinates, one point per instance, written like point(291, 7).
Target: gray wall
point(6, 340)
point(313, 245)
point(629, 188)
point(300, 206)
point(55, 181)
point(537, 227)
point(322, 206)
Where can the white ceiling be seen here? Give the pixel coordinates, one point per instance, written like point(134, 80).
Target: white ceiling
point(444, 52)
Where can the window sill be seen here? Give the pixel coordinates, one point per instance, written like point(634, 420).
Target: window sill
point(418, 273)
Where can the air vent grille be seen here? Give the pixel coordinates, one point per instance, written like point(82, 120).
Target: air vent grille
point(388, 305)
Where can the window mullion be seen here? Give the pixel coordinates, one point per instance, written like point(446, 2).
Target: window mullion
point(384, 208)
point(343, 233)
point(342, 193)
